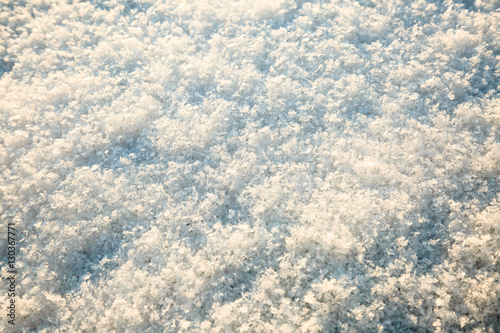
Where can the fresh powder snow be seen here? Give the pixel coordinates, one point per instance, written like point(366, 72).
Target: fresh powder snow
point(251, 166)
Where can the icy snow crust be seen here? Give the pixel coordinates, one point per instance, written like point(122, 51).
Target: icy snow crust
point(252, 166)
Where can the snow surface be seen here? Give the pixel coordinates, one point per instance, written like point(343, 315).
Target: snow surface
point(252, 166)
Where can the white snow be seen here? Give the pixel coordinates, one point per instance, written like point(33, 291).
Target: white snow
point(252, 166)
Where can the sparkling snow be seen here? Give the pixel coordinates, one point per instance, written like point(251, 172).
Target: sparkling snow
point(252, 165)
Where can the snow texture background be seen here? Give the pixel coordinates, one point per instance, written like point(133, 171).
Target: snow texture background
point(252, 166)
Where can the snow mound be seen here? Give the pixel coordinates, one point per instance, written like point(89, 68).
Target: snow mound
point(252, 166)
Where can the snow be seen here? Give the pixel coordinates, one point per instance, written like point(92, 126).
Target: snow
point(252, 166)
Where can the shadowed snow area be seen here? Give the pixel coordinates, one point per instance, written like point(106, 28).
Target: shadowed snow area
point(252, 166)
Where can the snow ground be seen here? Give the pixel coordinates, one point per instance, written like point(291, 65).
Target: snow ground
point(252, 166)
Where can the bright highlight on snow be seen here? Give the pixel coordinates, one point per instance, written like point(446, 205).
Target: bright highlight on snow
point(251, 166)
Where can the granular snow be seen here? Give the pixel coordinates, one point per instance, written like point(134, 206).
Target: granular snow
point(252, 165)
